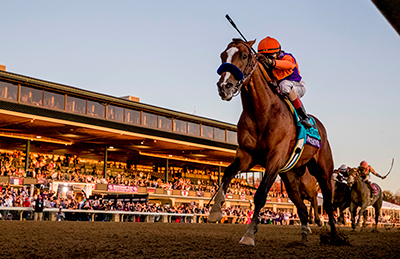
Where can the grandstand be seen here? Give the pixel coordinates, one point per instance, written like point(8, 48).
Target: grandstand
point(82, 133)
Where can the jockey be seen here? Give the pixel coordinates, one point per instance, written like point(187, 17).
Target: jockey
point(342, 173)
point(364, 169)
point(286, 72)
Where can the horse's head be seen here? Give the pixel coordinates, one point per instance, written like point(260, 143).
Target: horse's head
point(237, 66)
point(353, 176)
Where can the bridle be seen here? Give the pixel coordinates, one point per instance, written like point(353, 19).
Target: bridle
point(236, 72)
point(240, 83)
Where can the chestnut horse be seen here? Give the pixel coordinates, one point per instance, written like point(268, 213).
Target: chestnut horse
point(309, 191)
point(266, 136)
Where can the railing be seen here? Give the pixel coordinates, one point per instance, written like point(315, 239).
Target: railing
point(115, 215)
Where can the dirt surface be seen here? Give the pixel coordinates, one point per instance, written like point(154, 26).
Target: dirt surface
point(28, 239)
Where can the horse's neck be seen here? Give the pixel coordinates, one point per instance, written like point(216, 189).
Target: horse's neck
point(258, 98)
point(358, 185)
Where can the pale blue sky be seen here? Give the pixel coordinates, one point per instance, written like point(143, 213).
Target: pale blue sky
point(167, 52)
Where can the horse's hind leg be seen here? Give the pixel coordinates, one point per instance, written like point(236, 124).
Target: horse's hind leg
point(323, 170)
point(314, 205)
point(292, 186)
point(242, 162)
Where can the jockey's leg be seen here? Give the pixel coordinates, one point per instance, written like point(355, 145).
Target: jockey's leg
point(294, 90)
point(370, 187)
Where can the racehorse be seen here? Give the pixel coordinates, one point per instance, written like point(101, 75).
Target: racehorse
point(266, 136)
point(341, 197)
point(360, 197)
point(309, 191)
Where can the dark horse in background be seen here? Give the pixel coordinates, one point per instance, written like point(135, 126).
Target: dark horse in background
point(360, 197)
point(266, 136)
point(341, 196)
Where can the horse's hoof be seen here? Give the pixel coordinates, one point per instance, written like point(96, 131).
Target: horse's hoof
point(304, 238)
point(247, 241)
point(319, 223)
point(376, 230)
point(214, 217)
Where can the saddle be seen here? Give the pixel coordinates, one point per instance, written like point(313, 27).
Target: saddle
point(374, 189)
point(304, 136)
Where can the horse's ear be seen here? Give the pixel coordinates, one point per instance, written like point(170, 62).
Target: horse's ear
point(251, 43)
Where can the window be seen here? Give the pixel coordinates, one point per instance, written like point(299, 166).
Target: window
point(115, 113)
point(207, 131)
point(8, 91)
point(164, 123)
point(149, 120)
point(232, 137)
point(76, 105)
point(219, 134)
point(194, 128)
point(31, 96)
point(180, 126)
point(95, 109)
point(53, 100)
point(132, 116)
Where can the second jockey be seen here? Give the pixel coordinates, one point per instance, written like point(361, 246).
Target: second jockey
point(286, 71)
point(364, 169)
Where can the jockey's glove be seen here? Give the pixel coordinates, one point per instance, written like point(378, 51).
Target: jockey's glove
point(263, 59)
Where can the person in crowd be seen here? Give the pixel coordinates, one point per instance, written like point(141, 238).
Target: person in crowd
point(38, 207)
point(60, 215)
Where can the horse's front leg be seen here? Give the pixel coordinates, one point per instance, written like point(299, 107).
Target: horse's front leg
point(353, 212)
point(259, 202)
point(243, 162)
point(362, 213)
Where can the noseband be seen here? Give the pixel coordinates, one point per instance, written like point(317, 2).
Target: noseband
point(237, 73)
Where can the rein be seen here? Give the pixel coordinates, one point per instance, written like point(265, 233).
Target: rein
point(238, 86)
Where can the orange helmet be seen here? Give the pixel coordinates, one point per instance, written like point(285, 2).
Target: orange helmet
point(269, 45)
point(364, 164)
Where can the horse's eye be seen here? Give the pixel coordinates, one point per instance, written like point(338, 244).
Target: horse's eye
point(244, 56)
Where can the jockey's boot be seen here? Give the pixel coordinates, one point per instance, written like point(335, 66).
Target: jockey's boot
point(301, 111)
point(304, 119)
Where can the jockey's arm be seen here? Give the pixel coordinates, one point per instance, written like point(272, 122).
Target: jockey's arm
point(286, 63)
point(372, 170)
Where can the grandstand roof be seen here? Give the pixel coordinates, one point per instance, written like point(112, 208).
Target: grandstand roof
point(61, 132)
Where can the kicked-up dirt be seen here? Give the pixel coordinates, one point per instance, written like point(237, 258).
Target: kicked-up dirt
point(46, 239)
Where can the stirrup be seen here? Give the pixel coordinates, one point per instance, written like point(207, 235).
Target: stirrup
point(306, 122)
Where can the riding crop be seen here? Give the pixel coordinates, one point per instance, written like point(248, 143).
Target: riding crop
point(390, 168)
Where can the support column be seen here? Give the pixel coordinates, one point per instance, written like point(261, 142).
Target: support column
point(166, 170)
point(219, 175)
point(27, 150)
point(105, 161)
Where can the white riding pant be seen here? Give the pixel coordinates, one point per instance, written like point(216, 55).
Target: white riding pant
point(299, 87)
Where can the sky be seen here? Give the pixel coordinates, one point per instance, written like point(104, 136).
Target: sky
point(167, 53)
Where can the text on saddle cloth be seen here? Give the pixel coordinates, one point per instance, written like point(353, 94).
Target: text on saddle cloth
point(304, 136)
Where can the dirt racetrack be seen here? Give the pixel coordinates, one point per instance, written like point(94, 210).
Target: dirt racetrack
point(28, 239)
